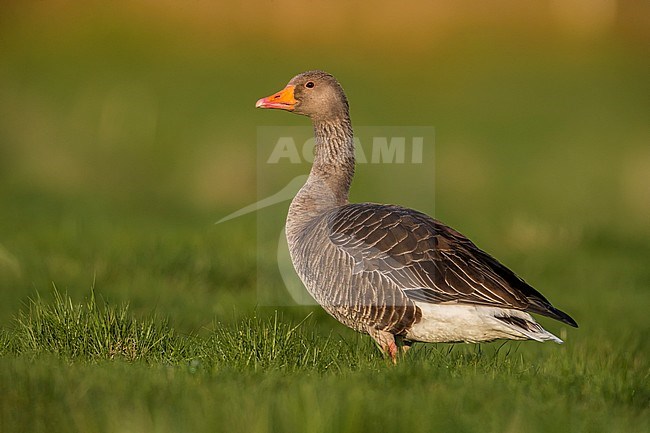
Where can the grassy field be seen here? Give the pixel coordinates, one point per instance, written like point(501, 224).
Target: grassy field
point(126, 133)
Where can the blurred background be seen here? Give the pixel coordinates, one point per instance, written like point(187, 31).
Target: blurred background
point(127, 128)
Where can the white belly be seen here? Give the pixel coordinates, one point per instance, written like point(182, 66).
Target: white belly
point(446, 323)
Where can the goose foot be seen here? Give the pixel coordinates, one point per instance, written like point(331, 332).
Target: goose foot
point(403, 344)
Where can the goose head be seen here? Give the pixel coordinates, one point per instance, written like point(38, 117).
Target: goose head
point(315, 94)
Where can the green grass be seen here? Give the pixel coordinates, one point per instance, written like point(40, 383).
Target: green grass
point(125, 133)
point(102, 360)
point(95, 331)
point(92, 332)
point(85, 367)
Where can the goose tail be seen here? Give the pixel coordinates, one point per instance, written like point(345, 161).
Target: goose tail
point(525, 325)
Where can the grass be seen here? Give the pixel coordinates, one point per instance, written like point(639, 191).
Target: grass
point(97, 331)
point(126, 133)
point(101, 360)
point(108, 371)
point(92, 332)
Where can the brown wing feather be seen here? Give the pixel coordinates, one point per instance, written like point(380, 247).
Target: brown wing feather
point(429, 261)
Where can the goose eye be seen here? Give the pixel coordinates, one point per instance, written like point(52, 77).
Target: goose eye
point(309, 84)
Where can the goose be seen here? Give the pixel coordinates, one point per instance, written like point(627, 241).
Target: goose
point(388, 271)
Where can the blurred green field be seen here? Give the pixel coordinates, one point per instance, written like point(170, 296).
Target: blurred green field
point(127, 130)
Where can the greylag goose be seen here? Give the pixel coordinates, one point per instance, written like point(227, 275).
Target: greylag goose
point(388, 271)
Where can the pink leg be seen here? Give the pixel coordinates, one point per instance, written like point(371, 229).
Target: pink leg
point(386, 342)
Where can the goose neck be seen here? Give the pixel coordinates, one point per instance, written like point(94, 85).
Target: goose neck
point(334, 156)
point(331, 174)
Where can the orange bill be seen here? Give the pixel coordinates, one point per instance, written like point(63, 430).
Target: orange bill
point(283, 100)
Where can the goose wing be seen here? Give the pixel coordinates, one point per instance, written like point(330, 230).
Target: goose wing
point(429, 261)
